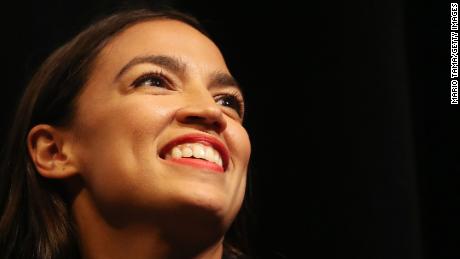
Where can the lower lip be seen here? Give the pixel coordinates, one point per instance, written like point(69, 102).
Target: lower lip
point(198, 163)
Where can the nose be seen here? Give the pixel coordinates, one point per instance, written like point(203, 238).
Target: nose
point(203, 114)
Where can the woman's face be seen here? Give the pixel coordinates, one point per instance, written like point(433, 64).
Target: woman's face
point(151, 86)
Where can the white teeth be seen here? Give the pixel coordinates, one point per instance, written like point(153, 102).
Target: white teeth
point(196, 150)
point(220, 161)
point(209, 154)
point(216, 157)
point(176, 152)
point(187, 152)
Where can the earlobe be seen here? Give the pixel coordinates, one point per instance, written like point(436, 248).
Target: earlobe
point(50, 151)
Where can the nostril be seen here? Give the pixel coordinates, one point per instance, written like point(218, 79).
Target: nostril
point(212, 123)
point(192, 119)
point(203, 116)
point(216, 126)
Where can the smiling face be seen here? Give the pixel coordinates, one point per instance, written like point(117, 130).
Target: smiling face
point(158, 92)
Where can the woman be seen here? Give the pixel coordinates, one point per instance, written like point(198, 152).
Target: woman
point(128, 143)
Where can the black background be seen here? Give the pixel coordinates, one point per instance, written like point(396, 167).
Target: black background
point(355, 143)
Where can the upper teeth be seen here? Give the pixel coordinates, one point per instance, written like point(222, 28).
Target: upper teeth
point(196, 150)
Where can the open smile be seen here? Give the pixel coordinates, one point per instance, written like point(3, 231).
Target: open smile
point(197, 150)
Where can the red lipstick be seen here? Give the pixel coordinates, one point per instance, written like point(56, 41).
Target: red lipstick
point(204, 139)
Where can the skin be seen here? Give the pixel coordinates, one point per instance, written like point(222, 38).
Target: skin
point(127, 201)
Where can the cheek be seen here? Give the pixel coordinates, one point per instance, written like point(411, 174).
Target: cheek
point(123, 127)
point(240, 144)
point(240, 147)
point(114, 142)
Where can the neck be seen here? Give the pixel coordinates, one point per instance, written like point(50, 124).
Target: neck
point(139, 244)
point(100, 239)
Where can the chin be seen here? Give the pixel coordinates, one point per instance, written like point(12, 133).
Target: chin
point(199, 212)
point(210, 200)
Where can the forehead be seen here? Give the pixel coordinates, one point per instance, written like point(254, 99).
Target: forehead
point(163, 37)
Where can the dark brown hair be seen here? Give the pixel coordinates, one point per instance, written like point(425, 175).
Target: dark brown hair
point(35, 220)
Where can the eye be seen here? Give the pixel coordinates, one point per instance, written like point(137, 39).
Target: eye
point(154, 79)
point(232, 100)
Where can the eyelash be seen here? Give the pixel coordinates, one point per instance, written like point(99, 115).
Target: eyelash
point(237, 98)
point(235, 95)
point(152, 75)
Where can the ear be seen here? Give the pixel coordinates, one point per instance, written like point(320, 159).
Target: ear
point(50, 150)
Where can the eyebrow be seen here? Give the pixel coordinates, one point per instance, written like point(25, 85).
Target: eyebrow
point(175, 65)
point(223, 79)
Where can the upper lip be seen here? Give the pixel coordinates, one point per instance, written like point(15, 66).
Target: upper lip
point(199, 138)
